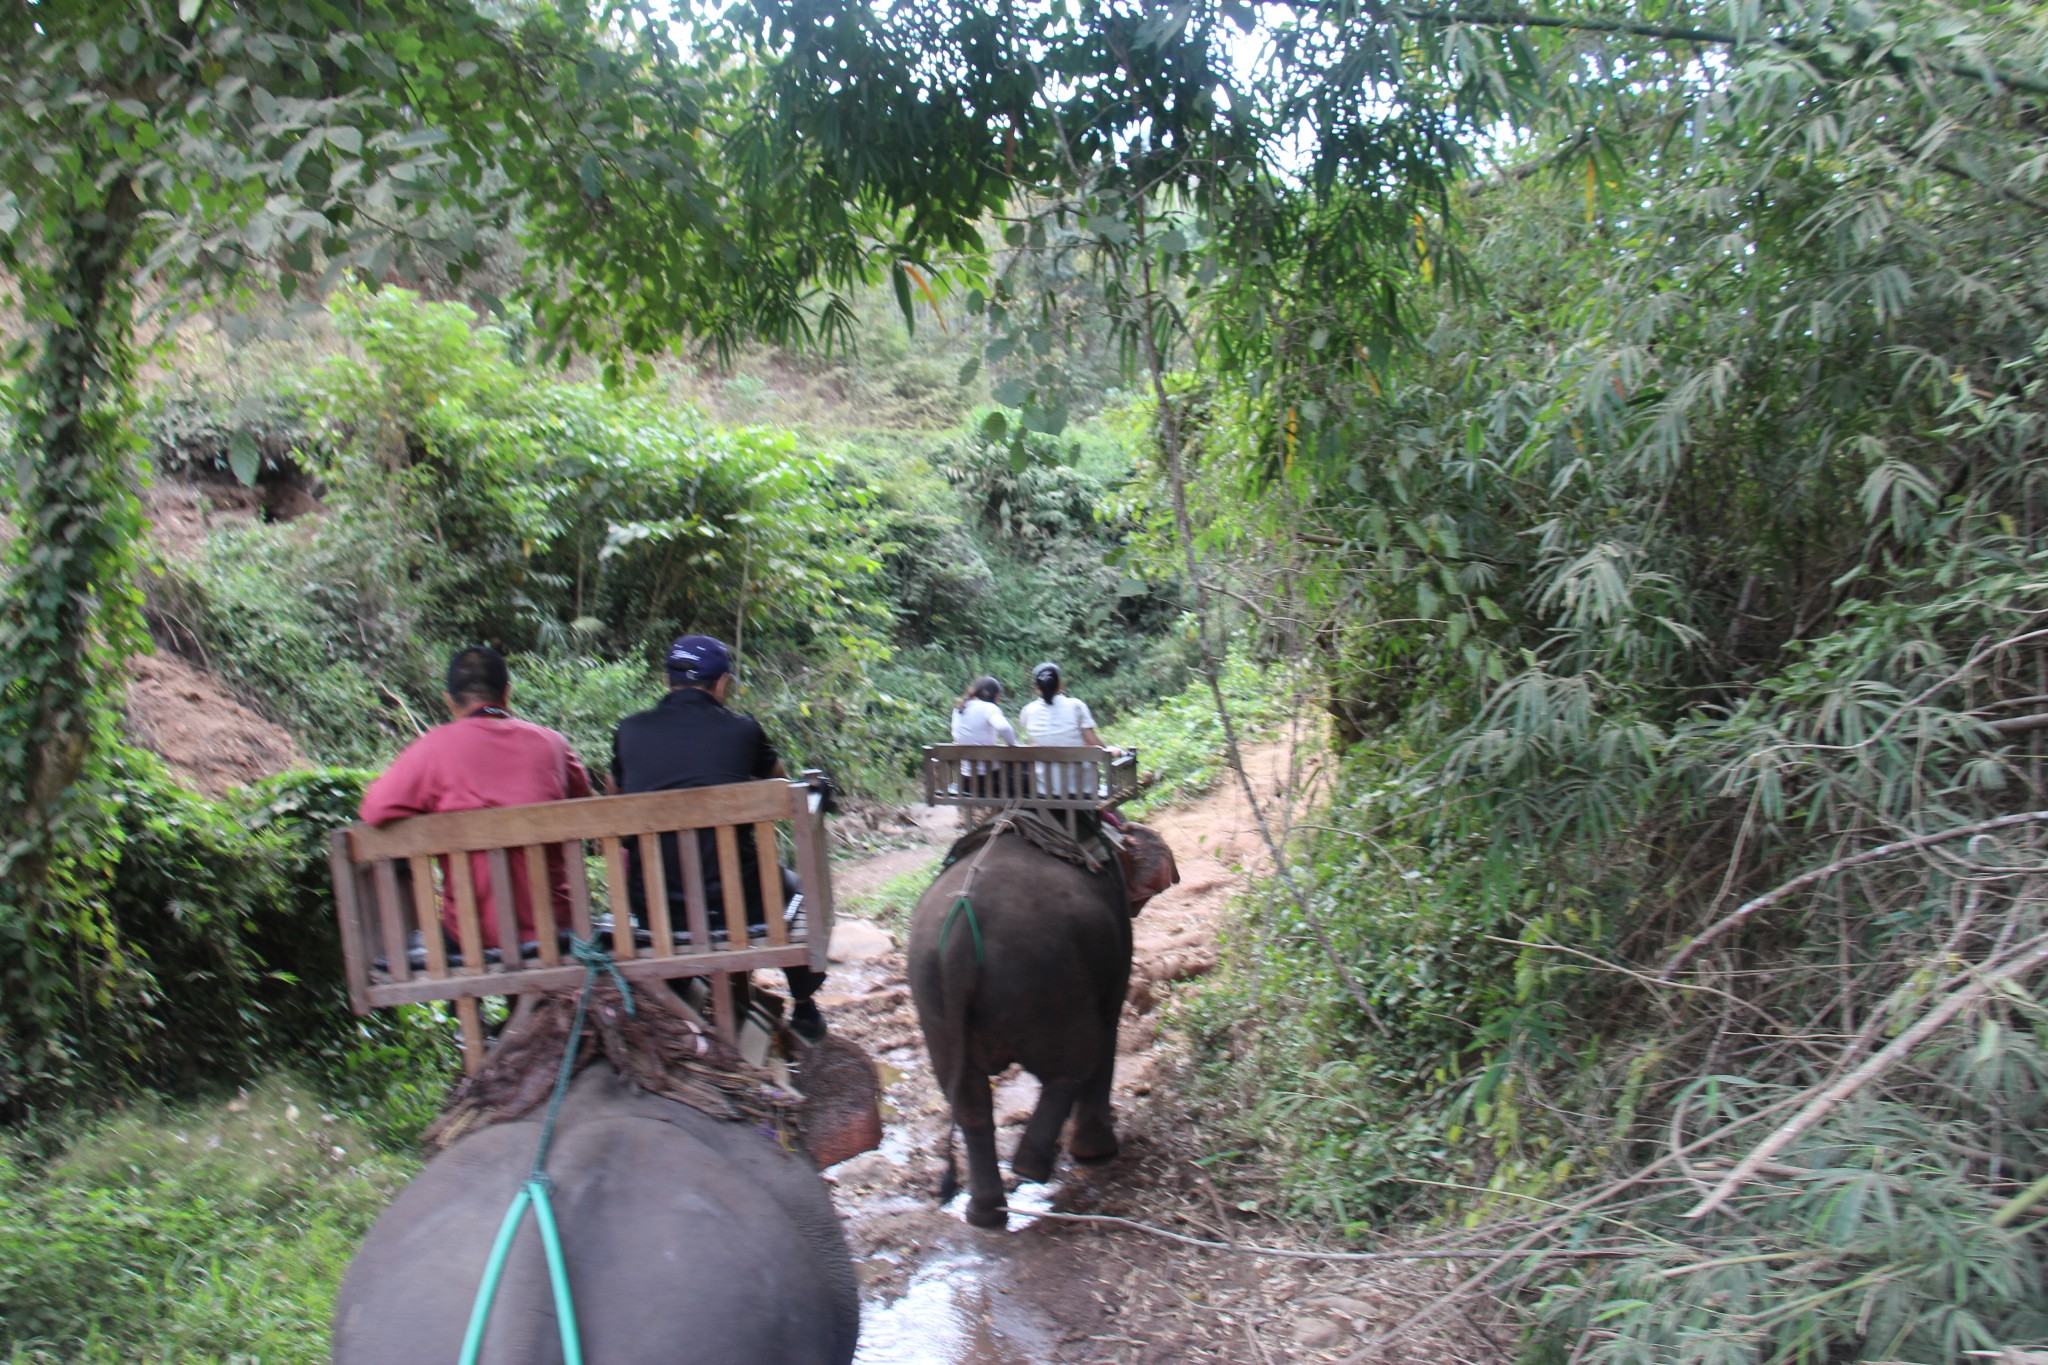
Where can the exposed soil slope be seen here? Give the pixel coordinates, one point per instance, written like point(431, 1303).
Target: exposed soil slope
point(176, 709)
point(211, 741)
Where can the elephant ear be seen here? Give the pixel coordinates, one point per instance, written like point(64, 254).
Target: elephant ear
point(841, 1113)
point(1148, 865)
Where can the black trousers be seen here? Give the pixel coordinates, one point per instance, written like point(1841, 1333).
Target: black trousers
point(803, 982)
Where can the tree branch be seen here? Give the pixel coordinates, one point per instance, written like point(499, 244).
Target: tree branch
point(1735, 918)
point(2027, 957)
point(1683, 33)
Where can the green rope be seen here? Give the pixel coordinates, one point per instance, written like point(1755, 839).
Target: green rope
point(973, 923)
point(534, 1191)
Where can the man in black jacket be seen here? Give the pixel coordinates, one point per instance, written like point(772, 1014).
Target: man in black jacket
point(691, 739)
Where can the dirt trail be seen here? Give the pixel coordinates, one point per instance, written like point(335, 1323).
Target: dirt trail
point(938, 1292)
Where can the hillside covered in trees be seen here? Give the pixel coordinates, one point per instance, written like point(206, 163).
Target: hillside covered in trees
point(1626, 417)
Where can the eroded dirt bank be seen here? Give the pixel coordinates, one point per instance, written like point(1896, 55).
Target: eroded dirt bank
point(939, 1292)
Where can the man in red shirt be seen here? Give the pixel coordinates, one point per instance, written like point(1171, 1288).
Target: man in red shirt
point(485, 756)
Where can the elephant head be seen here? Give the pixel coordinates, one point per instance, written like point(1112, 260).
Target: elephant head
point(841, 1114)
point(1148, 864)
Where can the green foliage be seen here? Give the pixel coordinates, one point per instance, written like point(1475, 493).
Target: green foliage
point(1696, 549)
point(565, 511)
point(1179, 739)
point(218, 952)
point(890, 903)
point(217, 1232)
point(475, 499)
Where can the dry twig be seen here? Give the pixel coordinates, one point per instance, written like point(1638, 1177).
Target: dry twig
point(1735, 918)
point(2031, 954)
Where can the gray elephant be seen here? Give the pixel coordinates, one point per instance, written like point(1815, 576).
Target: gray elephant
point(687, 1238)
point(1033, 971)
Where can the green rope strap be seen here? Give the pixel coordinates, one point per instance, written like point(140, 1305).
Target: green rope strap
point(972, 923)
point(534, 1191)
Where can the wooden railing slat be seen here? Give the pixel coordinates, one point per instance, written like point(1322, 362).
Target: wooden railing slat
point(549, 822)
point(732, 887)
point(654, 877)
point(769, 867)
point(696, 915)
point(579, 889)
point(471, 1015)
point(391, 916)
point(426, 909)
point(814, 870)
point(468, 932)
point(621, 898)
point(355, 963)
point(541, 887)
point(570, 975)
point(506, 908)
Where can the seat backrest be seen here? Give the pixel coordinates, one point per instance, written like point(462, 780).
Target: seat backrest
point(389, 884)
point(1044, 777)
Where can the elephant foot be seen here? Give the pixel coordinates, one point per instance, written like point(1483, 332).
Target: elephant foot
point(996, 1215)
point(1033, 1166)
point(1093, 1151)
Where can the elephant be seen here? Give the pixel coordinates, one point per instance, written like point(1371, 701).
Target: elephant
point(686, 1237)
point(1035, 973)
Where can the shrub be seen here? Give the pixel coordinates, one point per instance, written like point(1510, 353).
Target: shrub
point(219, 952)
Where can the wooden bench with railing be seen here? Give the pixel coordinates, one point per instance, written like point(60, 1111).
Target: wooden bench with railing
point(1047, 778)
point(390, 880)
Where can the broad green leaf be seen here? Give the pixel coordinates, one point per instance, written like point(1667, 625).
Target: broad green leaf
point(244, 459)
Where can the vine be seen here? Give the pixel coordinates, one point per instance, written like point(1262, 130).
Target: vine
point(72, 617)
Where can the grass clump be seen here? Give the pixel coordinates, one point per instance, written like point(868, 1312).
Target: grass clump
point(889, 904)
point(1179, 739)
point(203, 1233)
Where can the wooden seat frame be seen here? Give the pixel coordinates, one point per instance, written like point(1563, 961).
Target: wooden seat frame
point(378, 912)
point(1010, 777)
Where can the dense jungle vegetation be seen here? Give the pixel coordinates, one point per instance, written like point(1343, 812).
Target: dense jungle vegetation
point(1629, 416)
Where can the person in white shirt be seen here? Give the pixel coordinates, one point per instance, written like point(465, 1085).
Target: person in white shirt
point(977, 719)
point(1054, 718)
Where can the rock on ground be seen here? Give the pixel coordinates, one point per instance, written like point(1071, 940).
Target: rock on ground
point(857, 941)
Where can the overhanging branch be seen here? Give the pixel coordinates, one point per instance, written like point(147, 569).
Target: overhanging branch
point(1685, 33)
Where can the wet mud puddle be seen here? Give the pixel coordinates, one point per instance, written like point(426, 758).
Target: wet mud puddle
point(934, 1291)
point(956, 1307)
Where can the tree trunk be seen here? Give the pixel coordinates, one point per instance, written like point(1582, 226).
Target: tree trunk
point(69, 623)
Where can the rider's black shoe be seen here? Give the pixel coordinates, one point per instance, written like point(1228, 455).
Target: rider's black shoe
point(807, 1021)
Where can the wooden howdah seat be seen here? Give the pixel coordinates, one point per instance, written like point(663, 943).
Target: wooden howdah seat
point(389, 881)
point(1056, 780)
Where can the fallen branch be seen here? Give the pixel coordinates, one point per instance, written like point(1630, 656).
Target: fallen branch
point(1252, 1249)
point(1737, 917)
point(1548, 1228)
point(2029, 955)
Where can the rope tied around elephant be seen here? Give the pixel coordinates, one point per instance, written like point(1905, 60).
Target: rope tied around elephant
point(1035, 829)
point(664, 1051)
point(534, 1192)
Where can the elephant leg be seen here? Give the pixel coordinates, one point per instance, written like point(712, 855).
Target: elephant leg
point(949, 1181)
point(1033, 1160)
point(1094, 1138)
point(974, 1111)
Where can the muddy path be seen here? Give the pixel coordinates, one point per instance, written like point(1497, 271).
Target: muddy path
point(938, 1292)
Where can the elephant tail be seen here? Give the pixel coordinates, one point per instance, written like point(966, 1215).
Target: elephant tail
point(949, 1178)
point(953, 984)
